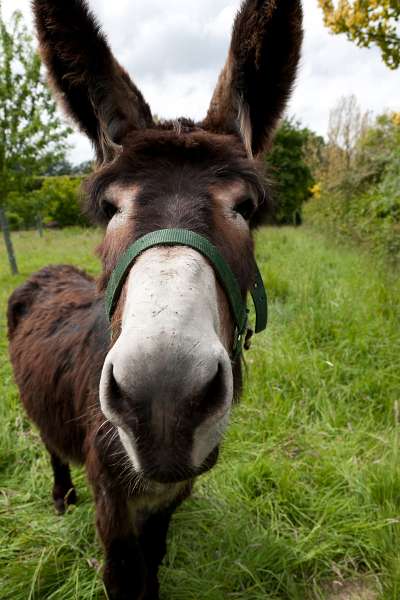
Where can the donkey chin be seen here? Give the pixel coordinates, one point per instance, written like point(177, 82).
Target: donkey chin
point(167, 381)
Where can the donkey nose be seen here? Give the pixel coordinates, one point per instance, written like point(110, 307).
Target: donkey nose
point(170, 400)
point(173, 379)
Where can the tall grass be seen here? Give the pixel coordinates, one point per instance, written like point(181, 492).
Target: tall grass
point(305, 501)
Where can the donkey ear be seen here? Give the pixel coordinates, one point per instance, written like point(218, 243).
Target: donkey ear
point(94, 89)
point(257, 79)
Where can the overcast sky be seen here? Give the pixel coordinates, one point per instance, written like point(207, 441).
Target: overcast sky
point(174, 50)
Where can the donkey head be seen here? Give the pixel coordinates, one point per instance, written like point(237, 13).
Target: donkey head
point(169, 378)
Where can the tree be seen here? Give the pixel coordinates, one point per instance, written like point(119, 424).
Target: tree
point(377, 148)
point(347, 124)
point(58, 200)
point(32, 137)
point(359, 185)
point(83, 168)
point(367, 23)
point(291, 173)
point(64, 167)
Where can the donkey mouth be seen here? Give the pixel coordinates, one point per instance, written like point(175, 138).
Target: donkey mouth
point(177, 473)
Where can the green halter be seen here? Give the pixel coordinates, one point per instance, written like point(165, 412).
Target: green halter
point(184, 237)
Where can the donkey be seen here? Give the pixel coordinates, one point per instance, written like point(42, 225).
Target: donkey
point(142, 400)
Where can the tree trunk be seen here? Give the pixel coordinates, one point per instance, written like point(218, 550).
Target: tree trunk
point(7, 239)
point(39, 225)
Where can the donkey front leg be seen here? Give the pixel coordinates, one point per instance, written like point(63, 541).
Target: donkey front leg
point(64, 493)
point(125, 570)
point(153, 541)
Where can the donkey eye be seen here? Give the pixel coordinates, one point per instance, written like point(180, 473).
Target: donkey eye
point(245, 208)
point(108, 209)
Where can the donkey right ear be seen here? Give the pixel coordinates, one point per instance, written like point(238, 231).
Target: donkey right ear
point(94, 89)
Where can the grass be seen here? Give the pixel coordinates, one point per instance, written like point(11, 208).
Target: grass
point(305, 501)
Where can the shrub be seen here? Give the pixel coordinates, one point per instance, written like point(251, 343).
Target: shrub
point(367, 209)
point(292, 177)
point(58, 200)
point(50, 198)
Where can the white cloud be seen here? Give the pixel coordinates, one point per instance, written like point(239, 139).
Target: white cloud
point(175, 49)
point(333, 67)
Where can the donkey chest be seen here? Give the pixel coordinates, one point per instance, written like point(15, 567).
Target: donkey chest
point(157, 498)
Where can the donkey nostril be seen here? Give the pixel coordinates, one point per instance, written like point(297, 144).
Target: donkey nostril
point(114, 391)
point(216, 387)
point(213, 395)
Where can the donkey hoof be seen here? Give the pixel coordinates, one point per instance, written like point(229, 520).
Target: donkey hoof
point(62, 501)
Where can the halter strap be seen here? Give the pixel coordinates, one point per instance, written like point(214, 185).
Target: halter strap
point(185, 237)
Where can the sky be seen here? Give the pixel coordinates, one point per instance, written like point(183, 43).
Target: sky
point(175, 49)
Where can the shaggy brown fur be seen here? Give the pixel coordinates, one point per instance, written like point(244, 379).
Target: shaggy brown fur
point(58, 331)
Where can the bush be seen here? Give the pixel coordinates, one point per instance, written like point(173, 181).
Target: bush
point(59, 200)
point(368, 208)
point(371, 219)
point(15, 221)
point(292, 177)
point(53, 199)
point(19, 210)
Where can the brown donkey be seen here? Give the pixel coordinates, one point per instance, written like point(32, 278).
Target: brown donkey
point(143, 402)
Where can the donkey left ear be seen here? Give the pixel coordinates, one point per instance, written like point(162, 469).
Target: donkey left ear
point(257, 79)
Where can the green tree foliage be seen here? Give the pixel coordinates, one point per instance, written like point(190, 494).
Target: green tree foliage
point(378, 149)
point(367, 23)
point(290, 172)
point(32, 137)
point(53, 199)
point(58, 199)
point(363, 202)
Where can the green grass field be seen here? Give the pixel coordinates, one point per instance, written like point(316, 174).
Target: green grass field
point(305, 501)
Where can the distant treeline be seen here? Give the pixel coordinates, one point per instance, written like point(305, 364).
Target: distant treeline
point(348, 184)
point(52, 200)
